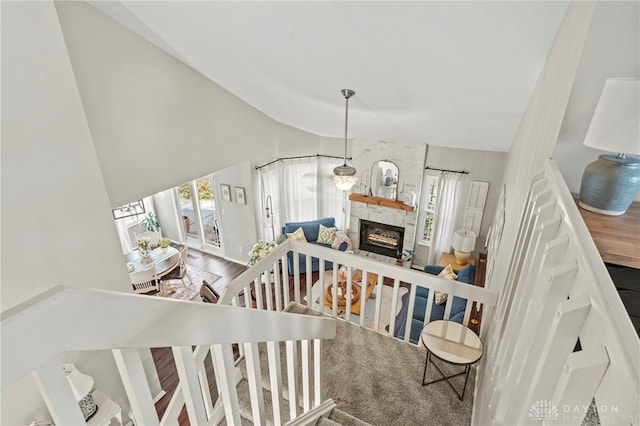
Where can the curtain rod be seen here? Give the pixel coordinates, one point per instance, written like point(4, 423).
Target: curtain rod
point(300, 157)
point(464, 172)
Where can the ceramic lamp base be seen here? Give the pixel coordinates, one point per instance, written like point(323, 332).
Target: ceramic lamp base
point(610, 184)
point(461, 256)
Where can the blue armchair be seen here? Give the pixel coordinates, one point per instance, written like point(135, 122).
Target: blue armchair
point(467, 275)
point(310, 229)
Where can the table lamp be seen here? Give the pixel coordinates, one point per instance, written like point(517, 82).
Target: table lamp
point(610, 183)
point(81, 386)
point(463, 243)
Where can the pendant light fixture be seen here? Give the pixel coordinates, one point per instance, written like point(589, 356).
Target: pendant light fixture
point(345, 176)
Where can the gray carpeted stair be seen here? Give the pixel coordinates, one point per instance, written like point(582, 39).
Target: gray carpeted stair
point(376, 379)
point(326, 422)
point(339, 417)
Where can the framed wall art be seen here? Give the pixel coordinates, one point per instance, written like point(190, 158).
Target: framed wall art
point(226, 192)
point(240, 195)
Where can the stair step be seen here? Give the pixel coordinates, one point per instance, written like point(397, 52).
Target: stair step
point(324, 421)
point(244, 400)
point(345, 419)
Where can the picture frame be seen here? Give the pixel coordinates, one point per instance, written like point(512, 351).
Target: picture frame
point(226, 192)
point(240, 195)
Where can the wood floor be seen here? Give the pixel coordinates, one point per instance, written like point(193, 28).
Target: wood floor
point(163, 357)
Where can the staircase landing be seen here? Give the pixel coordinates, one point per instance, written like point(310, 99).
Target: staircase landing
point(377, 379)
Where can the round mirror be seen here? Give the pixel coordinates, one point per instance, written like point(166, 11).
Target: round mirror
point(384, 180)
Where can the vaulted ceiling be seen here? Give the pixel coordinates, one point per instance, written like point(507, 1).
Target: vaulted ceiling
point(456, 74)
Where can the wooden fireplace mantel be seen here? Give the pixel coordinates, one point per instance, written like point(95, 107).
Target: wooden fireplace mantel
point(379, 201)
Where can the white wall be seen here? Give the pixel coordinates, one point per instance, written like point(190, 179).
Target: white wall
point(538, 132)
point(156, 122)
point(612, 49)
point(238, 221)
point(487, 166)
point(57, 227)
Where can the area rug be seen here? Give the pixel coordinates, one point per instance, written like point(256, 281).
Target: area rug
point(177, 291)
point(370, 307)
point(385, 309)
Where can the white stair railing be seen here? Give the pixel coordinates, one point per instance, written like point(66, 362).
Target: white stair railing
point(265, 286)
point(39, 332)
point(558, 295)
point(275, 296)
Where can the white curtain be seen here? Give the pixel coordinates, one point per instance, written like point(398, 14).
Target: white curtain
point(331, 200)
point(448, 210)
point(300, 189)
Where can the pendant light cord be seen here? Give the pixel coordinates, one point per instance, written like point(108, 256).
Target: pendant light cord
point(346, 123)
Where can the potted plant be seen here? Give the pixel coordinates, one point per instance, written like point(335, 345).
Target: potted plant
point(144, 246)
point(150, 222)
point(260, 250)
point(164, 243)
point(407, 256)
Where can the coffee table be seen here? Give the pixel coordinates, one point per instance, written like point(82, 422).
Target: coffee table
point(453, 343)
point(372, 280)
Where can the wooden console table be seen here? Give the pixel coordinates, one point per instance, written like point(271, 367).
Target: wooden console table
point(617, 237)
point(450, 259)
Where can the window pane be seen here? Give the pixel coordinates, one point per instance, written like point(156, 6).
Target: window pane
point(431, 194)
point(210, 223)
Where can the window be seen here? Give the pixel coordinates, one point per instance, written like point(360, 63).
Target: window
point(198, 211)
point(302, 189)
point(430, 188)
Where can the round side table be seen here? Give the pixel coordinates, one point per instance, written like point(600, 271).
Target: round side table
point(453, 343)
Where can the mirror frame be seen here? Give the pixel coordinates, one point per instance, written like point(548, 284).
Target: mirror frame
point(378, 171)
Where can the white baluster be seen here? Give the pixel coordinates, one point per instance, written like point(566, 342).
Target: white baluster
point(135, 383)
point(56, 392)
point(254, 379)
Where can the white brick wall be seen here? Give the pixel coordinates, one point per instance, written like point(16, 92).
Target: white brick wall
point(410, 160)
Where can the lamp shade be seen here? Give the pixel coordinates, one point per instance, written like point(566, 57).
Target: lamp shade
point(464, 240)
point(615, 126)
point(81, 386)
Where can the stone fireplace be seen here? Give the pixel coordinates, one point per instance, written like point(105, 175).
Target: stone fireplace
point(381, 238)
point(410, 159)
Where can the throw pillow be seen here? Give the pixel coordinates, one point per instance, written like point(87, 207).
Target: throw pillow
point(339, 239)
point(326, 234)
point(440, 297)
point(448, 274)
point(298, 234)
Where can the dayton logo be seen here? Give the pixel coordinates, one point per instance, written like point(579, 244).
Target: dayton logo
point(543, 410)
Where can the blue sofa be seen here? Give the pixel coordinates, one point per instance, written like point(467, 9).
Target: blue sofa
point(467, 275)
point(310, 229)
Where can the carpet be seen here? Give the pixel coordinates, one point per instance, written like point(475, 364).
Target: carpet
point(177, 290)
point(377, 379)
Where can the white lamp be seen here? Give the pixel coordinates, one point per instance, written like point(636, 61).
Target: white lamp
point(345, 176)
point(81, 386)
point(610, 183)
point(463, 243)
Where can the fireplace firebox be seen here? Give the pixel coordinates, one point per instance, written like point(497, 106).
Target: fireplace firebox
point(381, 238)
